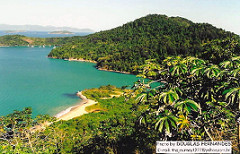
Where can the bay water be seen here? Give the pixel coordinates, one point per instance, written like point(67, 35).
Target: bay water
point(29, 79)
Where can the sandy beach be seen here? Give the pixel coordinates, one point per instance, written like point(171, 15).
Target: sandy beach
point(77, 110)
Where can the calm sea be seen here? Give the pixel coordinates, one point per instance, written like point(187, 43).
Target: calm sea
point(29, 79)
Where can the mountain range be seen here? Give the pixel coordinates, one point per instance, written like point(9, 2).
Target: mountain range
point(6, 27)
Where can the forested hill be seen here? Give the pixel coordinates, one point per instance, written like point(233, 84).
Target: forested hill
point(21, 40)
point(150, 37)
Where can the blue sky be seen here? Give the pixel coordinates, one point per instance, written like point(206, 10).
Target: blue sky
point(105, 14)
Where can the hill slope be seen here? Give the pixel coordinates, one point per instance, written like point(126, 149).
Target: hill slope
point(20, 40)
point(150, 37)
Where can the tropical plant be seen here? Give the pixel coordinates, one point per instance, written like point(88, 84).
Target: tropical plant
point(191, 101)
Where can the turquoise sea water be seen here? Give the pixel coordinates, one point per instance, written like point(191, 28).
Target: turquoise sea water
point(29, 79)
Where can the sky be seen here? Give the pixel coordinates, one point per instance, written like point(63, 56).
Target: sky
point(106, 14)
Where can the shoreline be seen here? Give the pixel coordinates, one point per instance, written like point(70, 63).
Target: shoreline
point(75, 59)
point(69, 113)
point(102, 69)
point(77, 110)
point(91, 61)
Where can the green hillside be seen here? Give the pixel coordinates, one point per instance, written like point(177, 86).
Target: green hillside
point(150, 37)
point(21, 40)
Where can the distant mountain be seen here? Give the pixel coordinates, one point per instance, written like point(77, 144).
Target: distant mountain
point(151, 37)
point(5, 27)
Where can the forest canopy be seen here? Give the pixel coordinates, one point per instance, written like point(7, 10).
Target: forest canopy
point(150, 37)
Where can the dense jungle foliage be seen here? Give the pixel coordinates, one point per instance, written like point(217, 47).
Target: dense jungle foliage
point(151, 37)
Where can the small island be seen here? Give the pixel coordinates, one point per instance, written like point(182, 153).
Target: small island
point(14, 31)
point(61, 32)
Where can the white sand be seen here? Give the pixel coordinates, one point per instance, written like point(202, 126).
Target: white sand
point(78, 110)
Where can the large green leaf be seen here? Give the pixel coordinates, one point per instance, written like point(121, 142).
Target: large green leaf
point(187, 106)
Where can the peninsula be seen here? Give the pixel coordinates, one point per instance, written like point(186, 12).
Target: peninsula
point(151, 37)
point(61, 32)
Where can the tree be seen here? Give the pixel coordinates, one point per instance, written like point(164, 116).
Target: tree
point(189, 102)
